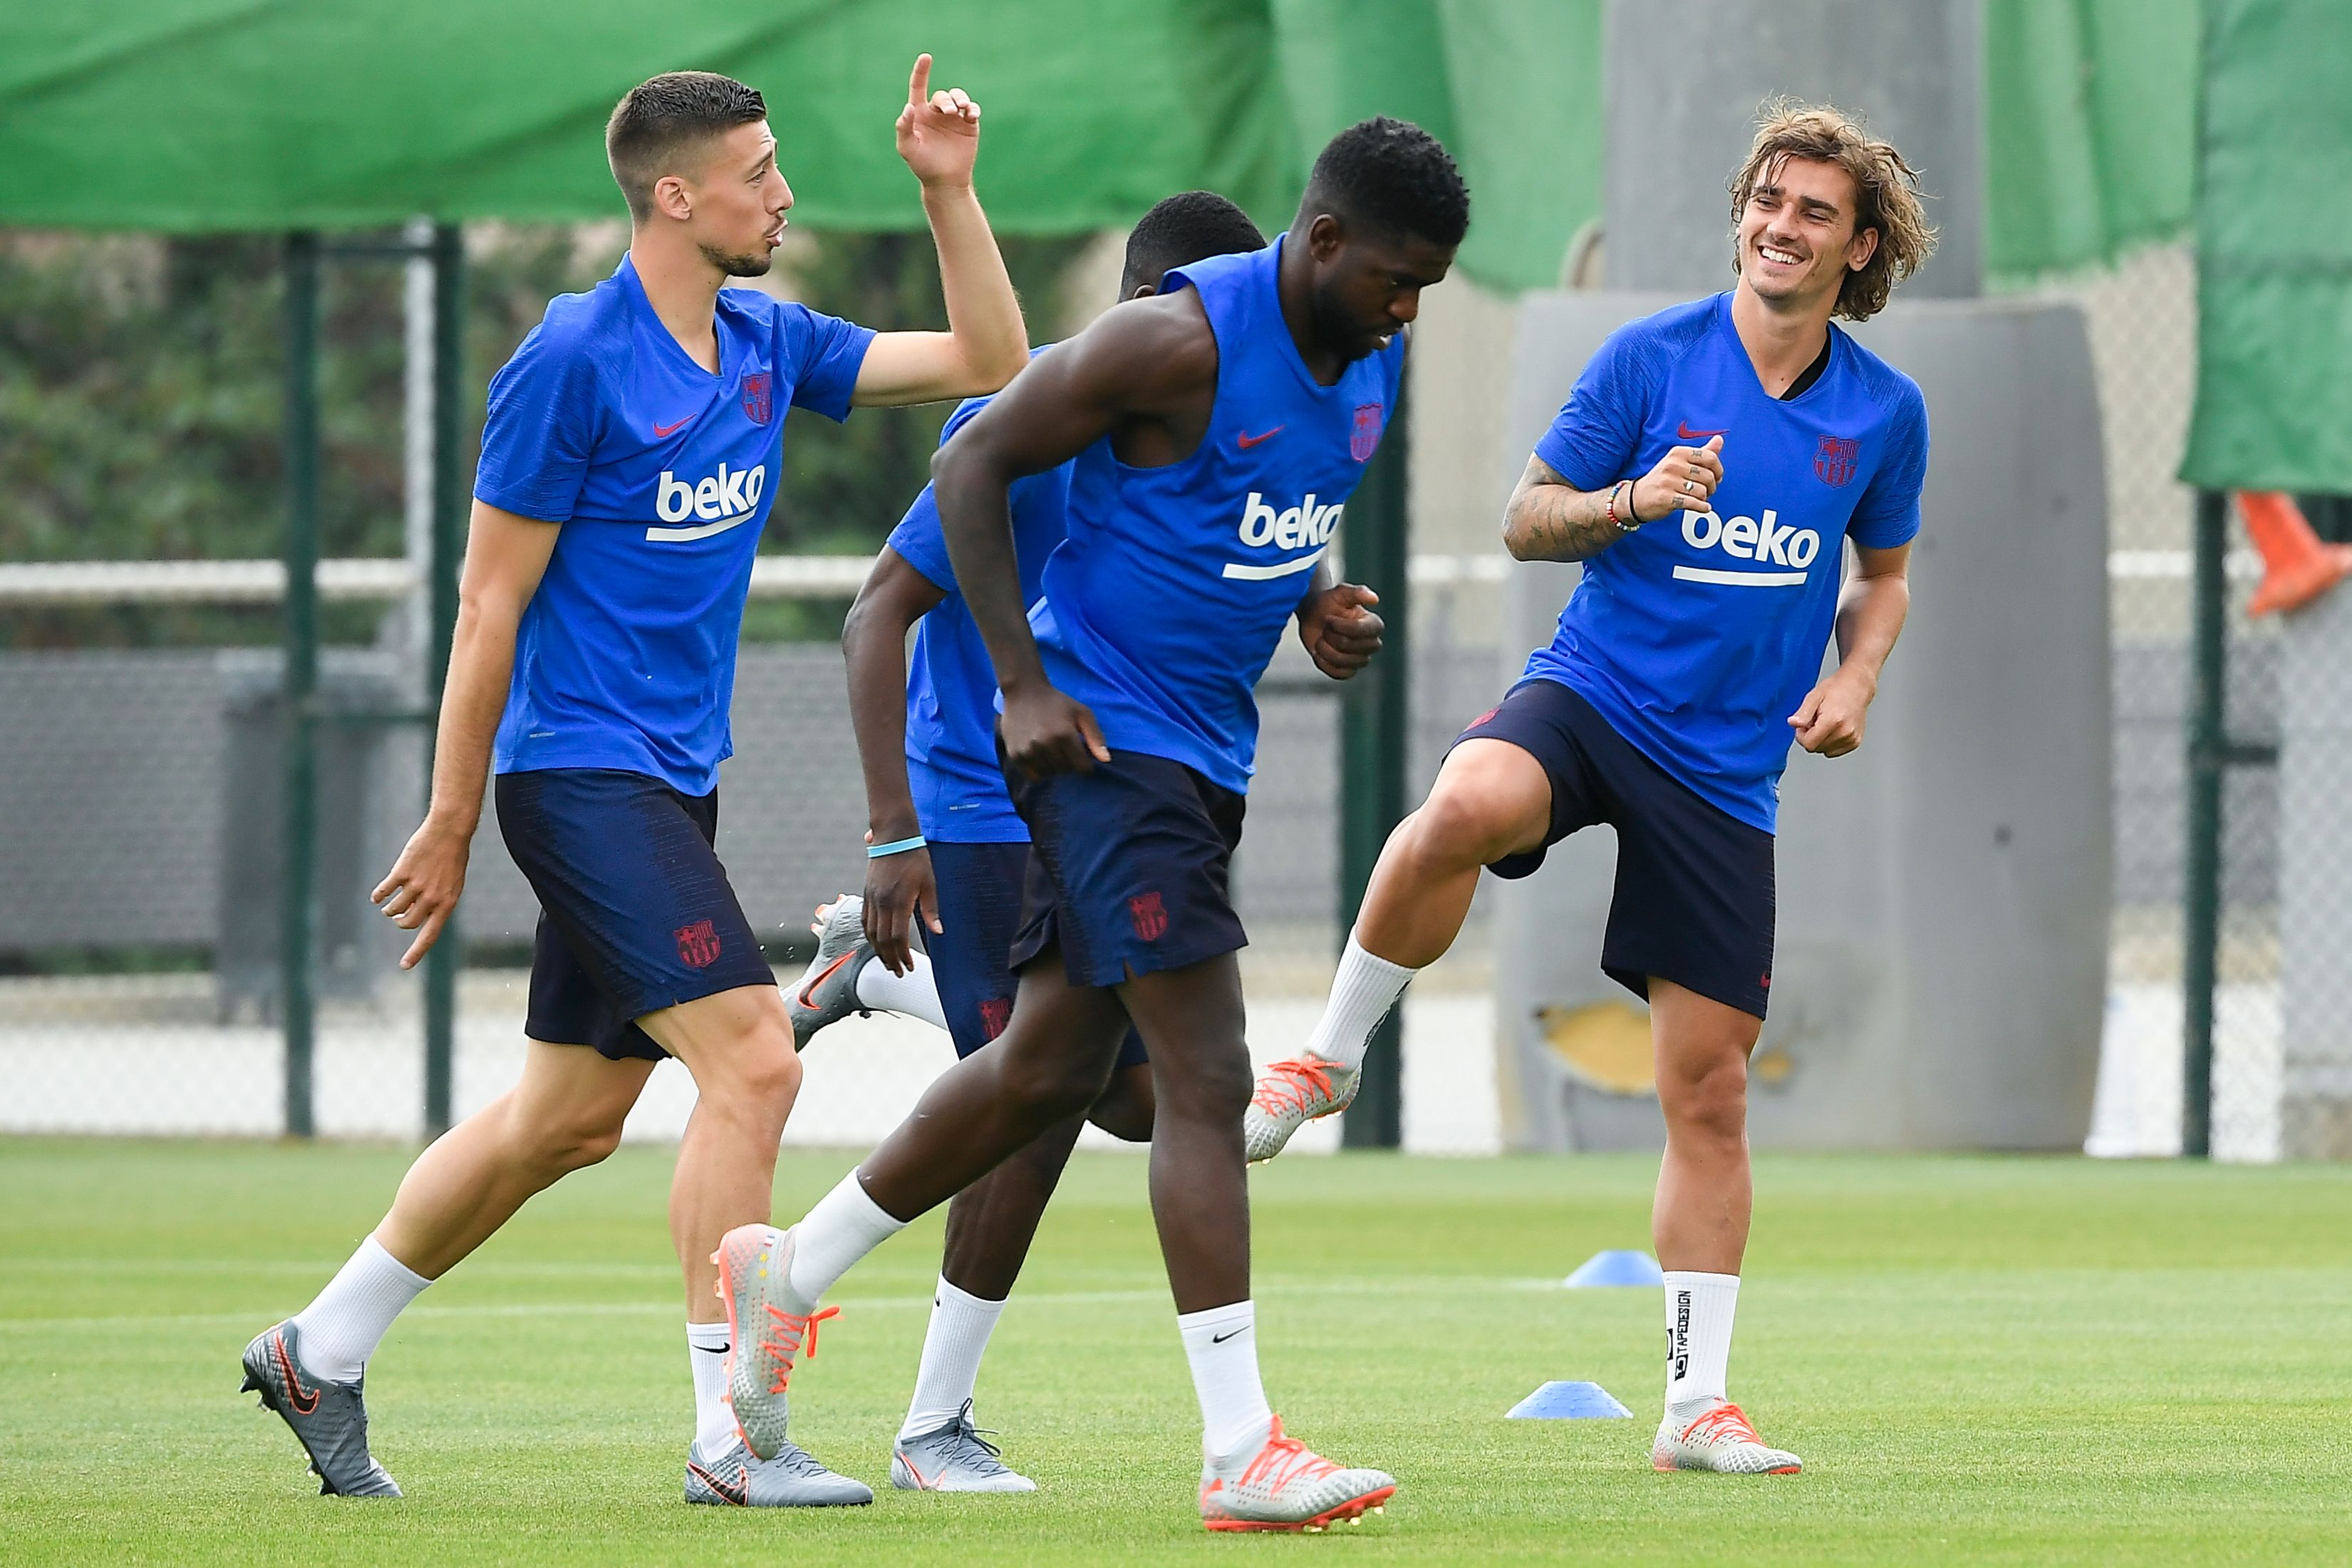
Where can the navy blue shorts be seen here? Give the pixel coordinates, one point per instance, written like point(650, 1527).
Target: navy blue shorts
point(1131, 870)
point(980, 907)
point(635, 911)
point(1694, 902)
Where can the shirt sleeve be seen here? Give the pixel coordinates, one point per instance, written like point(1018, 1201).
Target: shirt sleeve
point(1592, 442)
point(920, 542)
point(826, 353)
point(1888, 513)
point(539, 430)
point(919, 539)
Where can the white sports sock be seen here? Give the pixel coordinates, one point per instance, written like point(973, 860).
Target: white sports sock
point(1222, 1345)
point(1698, 1340)
point(845, 1226)
point(911, 993)
point(714, 1419)
point(957, 1338)
point(1363, 991)
point(342, 1328)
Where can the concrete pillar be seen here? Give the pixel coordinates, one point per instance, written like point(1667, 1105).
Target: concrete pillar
point(2315, 881)
point(1683, 84)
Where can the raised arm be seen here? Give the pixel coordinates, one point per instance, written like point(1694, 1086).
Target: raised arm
point(505, 558)
point(1549, 519)
point(986, 343)
point(899, 888)
point(1146, 369)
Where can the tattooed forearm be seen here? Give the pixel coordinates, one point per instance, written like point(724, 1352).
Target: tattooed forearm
point(1549, 520)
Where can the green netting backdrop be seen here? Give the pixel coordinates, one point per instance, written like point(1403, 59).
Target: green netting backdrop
point(2274, 250)
point(274, 114)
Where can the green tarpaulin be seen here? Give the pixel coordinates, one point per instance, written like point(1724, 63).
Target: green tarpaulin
point(276, 114)
point(2274, 250)
point(271, 114)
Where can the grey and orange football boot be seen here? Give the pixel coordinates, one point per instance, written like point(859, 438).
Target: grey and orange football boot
point(330, 1419)
point(740, 1478)
point(826, 991)
point(953, 1457)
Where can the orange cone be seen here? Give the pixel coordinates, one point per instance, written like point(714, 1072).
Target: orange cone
point(2296, 567)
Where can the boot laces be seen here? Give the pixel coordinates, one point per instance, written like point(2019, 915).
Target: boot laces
point(1292, 1087)
point(793, 1332)
point(1726, 1423)
point(1284, 1461)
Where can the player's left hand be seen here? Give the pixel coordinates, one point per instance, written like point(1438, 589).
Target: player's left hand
point(1830, 721)
point(939, 132)
point(1339, 629)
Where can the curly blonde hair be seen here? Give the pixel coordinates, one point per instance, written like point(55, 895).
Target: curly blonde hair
point(1886, 187)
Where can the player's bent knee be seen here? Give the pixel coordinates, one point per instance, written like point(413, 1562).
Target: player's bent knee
point(1455, 829)
point(1050, 1087)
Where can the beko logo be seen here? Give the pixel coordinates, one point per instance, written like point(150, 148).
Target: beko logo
point(1765, 542)
point(720, 500)
point(1307, 523)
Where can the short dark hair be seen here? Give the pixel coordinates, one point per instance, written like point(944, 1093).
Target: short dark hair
point(671, 113)
point(1390, 175)
point(1189, 226)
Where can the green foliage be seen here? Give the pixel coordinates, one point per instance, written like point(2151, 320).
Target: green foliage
point(845, 487)
point(141, 389)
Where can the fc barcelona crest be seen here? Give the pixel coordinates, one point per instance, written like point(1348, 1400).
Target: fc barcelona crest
point(1150, 916)
point(1835, 459)
point(1366, 436)
point(759, 401)
point(698, 945)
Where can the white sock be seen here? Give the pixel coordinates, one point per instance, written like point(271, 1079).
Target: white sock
point(1363, 991)
point(1222, 1345)
point(845, 1226)
point(342, 1328)
point(911, 993)
point(957, 1338)
point(714, 1419)
point(1698, 1340)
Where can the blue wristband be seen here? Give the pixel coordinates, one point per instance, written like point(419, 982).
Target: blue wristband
point(899, 847)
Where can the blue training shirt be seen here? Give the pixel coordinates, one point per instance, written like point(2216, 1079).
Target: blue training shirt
point(1168, 598)
point(959, 795)
point(662, 476)
point(1697, 637)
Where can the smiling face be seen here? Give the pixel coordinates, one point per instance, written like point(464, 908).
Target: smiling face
point(1797, 235)
point(733, 208)
point(1368, 284)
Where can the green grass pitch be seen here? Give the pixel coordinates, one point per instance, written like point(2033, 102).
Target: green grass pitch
point(2025, 1361)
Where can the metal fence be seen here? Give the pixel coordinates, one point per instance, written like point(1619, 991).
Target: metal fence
point(138, 812)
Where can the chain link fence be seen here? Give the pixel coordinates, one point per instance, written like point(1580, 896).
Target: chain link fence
point(138, 841)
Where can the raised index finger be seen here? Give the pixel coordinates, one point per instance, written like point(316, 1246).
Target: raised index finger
point(919, 85)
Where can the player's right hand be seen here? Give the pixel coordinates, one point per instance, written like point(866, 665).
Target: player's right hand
point(421, 891)
point(899, 888)
point(1683, 480)
point(1045, 732)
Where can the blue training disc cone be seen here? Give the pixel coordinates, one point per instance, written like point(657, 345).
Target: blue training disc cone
point(1618, 1267)
point(1568, 1402)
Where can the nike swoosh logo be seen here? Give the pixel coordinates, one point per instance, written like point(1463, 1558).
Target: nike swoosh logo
point(740, 1494)
point(1688, 433)
point(1221, 1338)
point(304, 1400)
point(1247, 441)
point(808, 999)
point(661, 431)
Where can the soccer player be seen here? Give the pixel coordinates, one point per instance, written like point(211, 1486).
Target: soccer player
point(1710, 467)
point(1217, 429)
point(947, 847)
point(628, 466)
